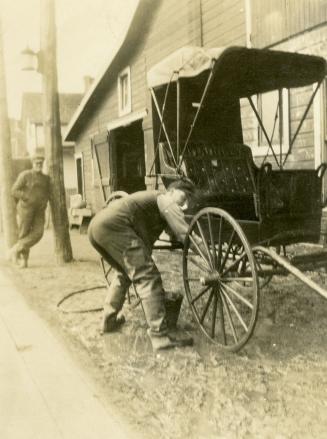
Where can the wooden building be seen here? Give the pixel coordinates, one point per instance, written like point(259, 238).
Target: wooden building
point(113, 128)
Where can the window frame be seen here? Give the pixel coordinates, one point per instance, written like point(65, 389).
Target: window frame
point(261, 150)
point(127, 108)
point(320, 124)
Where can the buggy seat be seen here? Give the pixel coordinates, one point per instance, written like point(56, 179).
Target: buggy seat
point(225, 176)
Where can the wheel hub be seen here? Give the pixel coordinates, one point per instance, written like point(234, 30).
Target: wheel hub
point(210, 279)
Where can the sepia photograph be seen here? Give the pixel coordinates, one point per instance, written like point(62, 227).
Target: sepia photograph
point(163, 219)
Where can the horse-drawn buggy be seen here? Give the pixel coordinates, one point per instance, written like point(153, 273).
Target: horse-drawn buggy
point(246, 213)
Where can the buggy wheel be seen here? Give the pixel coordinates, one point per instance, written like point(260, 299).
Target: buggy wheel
point(221, 283)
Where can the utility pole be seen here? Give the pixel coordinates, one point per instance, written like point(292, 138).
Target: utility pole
point(8, 209)
point(52, 131)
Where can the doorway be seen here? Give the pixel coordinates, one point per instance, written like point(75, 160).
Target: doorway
point(130, 160)
point(79, 174)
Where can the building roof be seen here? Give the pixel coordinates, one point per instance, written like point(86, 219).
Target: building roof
point(32, 106)
point(96, 91)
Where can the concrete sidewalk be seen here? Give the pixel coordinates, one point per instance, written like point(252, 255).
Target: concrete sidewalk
point(43, 393)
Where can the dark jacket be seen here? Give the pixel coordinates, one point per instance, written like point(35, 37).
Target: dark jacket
point(32, 188)
point(145, 212)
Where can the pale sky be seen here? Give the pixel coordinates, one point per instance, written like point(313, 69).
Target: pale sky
point(88, 32)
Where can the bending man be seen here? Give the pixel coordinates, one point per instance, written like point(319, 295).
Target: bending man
point(124, 234)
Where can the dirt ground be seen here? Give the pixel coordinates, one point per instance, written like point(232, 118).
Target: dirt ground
point(274, 388)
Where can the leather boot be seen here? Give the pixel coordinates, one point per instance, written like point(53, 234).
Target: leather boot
point(112, 323)
point(155, 314)
point(112, 319)
point(169, 342)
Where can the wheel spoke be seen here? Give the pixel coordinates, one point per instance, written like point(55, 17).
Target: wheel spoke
point(229, 317)
point(197, 263)
point(222, 319)
point(242, 266)
point(214, 313)
point(206, 307)
point(232, 265)
point(220, 243)
point(203, 291)
point(228, 250)
point(213, 246)
point(199, 251)
point(192, 279)
point(235, 310)
point(205, 243)
point(241, 298)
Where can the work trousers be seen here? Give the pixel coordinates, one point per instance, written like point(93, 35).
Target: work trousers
point(31, 220)
point(132, 262)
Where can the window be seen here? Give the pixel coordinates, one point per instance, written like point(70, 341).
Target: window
point(273, 109)
point(124, 92)
point(269, 110)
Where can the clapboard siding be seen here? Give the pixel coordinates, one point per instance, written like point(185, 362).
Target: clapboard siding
point(276, 20)
point(168, 30)
point(223, 23)
point(315, 43)
point(304, 14)
point(138, 75)
point(216, 26)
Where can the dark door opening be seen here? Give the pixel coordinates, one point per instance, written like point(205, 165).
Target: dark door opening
point(130, 161)
point(79, 171)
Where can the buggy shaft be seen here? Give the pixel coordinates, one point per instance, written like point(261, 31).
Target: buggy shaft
point(291, 269)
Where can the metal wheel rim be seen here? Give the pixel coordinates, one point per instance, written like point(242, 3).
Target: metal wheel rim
point(217, 291)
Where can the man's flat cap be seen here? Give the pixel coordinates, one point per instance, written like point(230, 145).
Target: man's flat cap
point(182, 183)
point(37, 157)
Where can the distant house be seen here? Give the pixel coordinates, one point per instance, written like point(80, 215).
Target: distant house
point(113, 127)
point(16, 138)
point(32, 139)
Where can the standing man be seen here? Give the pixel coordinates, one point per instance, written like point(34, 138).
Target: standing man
point(124, 234)
point(32, 191)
